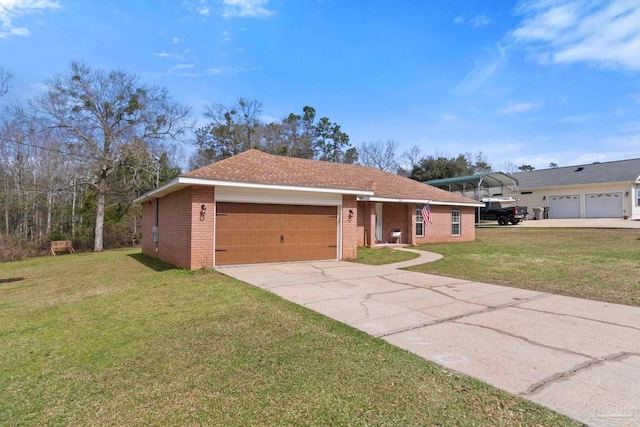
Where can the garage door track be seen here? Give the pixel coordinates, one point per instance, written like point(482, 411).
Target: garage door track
point(578, 357)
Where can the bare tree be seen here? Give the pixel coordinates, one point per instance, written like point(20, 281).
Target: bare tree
point(5, 77)
point(409, 160)
point(479, 162)
point(230, 131)
point(509, 167)
point(108, 118)
point(379, 154)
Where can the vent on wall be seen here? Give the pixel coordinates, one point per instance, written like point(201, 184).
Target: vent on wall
point(578, 169)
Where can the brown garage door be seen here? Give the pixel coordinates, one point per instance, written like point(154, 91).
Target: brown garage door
point(248, 233)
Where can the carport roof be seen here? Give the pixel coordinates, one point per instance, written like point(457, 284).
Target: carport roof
point(594, 173)
point(257, 169)
point(470, 182)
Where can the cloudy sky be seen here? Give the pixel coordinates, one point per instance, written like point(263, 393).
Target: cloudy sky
point(524, 82)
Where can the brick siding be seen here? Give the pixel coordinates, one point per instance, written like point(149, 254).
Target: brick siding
point(202, 227)
point(349, 227)
point(439, 231)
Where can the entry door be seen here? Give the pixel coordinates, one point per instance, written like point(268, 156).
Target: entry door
point(378, 222)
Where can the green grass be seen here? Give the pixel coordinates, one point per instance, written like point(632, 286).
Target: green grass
point(598, 264)
point(382, 256)
point(117, 339)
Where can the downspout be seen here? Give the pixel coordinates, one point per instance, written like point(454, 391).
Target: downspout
point(157, 236)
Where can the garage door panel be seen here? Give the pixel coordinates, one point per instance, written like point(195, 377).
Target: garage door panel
point(604, 205)
point(564, 206)
point(254, 233)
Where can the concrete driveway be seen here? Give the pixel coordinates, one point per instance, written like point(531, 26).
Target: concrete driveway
point(578, 357)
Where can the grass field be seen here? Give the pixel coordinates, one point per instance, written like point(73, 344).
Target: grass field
point(598, 264)
point(117, 339)
point(383, 256)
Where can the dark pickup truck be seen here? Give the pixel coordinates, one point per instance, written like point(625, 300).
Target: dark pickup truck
point(504, 215)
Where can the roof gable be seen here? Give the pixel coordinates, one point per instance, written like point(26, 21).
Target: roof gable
point(256, 167)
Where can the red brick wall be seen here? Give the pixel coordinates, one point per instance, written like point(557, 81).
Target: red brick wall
point(394, 217)
point(362, 221)
point(202, 227)
point(174, 228)
point(148, 221)
point(439, 231)
point(349, 227)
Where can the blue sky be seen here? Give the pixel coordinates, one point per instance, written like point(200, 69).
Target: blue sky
point(524, 82)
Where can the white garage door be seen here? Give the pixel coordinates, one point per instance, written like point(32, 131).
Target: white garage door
point(604, 205)
point(564, 206)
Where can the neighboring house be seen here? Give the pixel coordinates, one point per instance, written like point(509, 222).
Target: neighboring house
point(256, 207)
point(598, 190)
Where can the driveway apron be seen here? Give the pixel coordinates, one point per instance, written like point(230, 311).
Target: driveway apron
point(578, 357)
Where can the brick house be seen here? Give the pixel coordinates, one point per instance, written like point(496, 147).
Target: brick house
point(256, 207)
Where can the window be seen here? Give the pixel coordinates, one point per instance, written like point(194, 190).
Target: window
point(419, 222)
point(455, 222)
point(638, 201)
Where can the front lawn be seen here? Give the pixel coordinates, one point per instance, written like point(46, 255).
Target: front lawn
point(382, 256)
point(598, 264)
point(117, 339)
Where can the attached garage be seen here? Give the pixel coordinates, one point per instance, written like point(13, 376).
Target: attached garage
point(564, 206)
point(604, 205)
point(248, 233)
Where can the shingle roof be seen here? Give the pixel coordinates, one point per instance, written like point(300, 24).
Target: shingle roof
point(256, 167)
point(595, 173)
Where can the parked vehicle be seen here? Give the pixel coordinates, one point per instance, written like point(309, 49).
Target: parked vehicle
point(503, 214)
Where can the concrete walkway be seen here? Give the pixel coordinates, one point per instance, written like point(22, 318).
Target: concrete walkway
point(578, 357)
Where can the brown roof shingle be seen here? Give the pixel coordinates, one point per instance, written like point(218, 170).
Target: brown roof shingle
point(256, 167)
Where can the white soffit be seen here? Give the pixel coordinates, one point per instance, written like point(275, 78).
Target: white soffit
point(183, 182)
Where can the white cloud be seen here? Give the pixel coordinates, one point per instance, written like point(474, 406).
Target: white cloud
point(448, 117)
point(167, 55)
point(226, 36)
point(568, 31)
point(480, 21)
point(483, 70)
point(246, 9)
point(12, 9)
point(576, 118)
point(204, 11)
point(458, 20)
point(175, 40)
point(517, 108)
point(184, 66)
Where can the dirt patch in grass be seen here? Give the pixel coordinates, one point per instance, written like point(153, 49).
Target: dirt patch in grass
point(598, 264)
point(108, 340)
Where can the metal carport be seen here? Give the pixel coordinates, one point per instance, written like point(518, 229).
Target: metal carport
point(482, 187)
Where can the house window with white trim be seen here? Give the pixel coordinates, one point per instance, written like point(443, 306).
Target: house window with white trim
point(455, 222)
point(638, 198)
point(419, 222)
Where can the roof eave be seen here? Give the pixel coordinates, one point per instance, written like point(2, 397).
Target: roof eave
point(417, 201)
point(184, 181)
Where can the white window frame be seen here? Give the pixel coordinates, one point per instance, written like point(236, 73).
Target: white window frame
point(419, 220)
point(638, 198)
point(456, 222)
